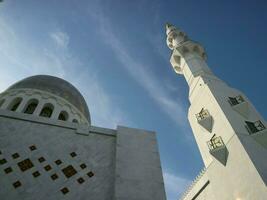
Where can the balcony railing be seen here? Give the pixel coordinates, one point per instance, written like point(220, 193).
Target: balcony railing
point(214, 143)
point(202, 114)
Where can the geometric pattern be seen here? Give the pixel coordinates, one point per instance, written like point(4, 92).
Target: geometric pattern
point(27, 164)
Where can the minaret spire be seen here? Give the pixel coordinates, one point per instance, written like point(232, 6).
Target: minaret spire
point(188, 57)
point(174, 36)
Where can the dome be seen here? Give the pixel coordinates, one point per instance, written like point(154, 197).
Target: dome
point(56, 86)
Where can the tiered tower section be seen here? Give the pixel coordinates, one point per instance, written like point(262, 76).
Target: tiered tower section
point(230, 133)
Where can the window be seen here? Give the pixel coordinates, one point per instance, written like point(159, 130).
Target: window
point(47, 110)
point(215, 142)
point(41, 159)
point(64, 190)
point(58, 162)
point(36, 174)
point(73, 154)
point(202, 114)
point(3, 161)
point(17, 184)
point(80, 180)
point(90, 174)
point(54, 176)
point(254, 127)
point(75, 121)
point(25, 164)
point(31, 106)
point(15, 104)
point(32, 148)
point(69, 171)
point(63, 116)
point(236, 100)
point(47, 167)
point(15, 155)
point(83, 166)
point(8, 170)
point(2, 101)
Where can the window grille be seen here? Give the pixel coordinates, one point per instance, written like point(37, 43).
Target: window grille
point(63, 116)
point(47, 111)
point(15, 104)
point(31, 108)
point(75, 121)
point(25, 164)
point(254, 127)
point(236, 100)
point(69, 171)
point(215, 142)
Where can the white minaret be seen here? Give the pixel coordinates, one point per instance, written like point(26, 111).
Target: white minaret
point(230, 133)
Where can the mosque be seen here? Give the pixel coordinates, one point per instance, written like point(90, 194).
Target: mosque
point(50, 150)
point(230, 133)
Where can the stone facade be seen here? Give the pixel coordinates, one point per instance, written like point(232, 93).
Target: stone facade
point(47, 158)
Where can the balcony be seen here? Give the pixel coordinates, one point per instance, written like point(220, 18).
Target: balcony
point(205, 119)
point(215, 143)
point(218, 149)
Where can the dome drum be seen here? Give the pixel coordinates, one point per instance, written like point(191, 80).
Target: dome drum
point(57, 87)
point(46, 101)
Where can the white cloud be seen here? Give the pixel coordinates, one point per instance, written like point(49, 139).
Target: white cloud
point(105, 114)
point(20, 58)
point(155, 88)
point(103, 111)
point(175, 186)
point(158, 90)
point(60, 38)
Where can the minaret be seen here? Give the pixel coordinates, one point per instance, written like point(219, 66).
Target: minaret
point(230, 133)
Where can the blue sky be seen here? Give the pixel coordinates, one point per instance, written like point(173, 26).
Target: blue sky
point(115, 53)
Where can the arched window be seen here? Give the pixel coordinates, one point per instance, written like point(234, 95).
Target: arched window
point(47, 110)
point(63, 116)
point(31, 106)
point(15, 104)
point(2, 102)
point(75, 121)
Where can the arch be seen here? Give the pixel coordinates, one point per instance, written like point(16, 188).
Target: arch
point(47, 110)
point(196, 49)
point(203, 55)
point(181, 34)
point(75, 121)
point(2, 101)
point(31, 106)
point(185, 50)
point(15, 104)
point(63, 115)
point(177, 59)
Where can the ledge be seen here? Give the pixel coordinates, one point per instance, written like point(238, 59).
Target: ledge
point(81, 129)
